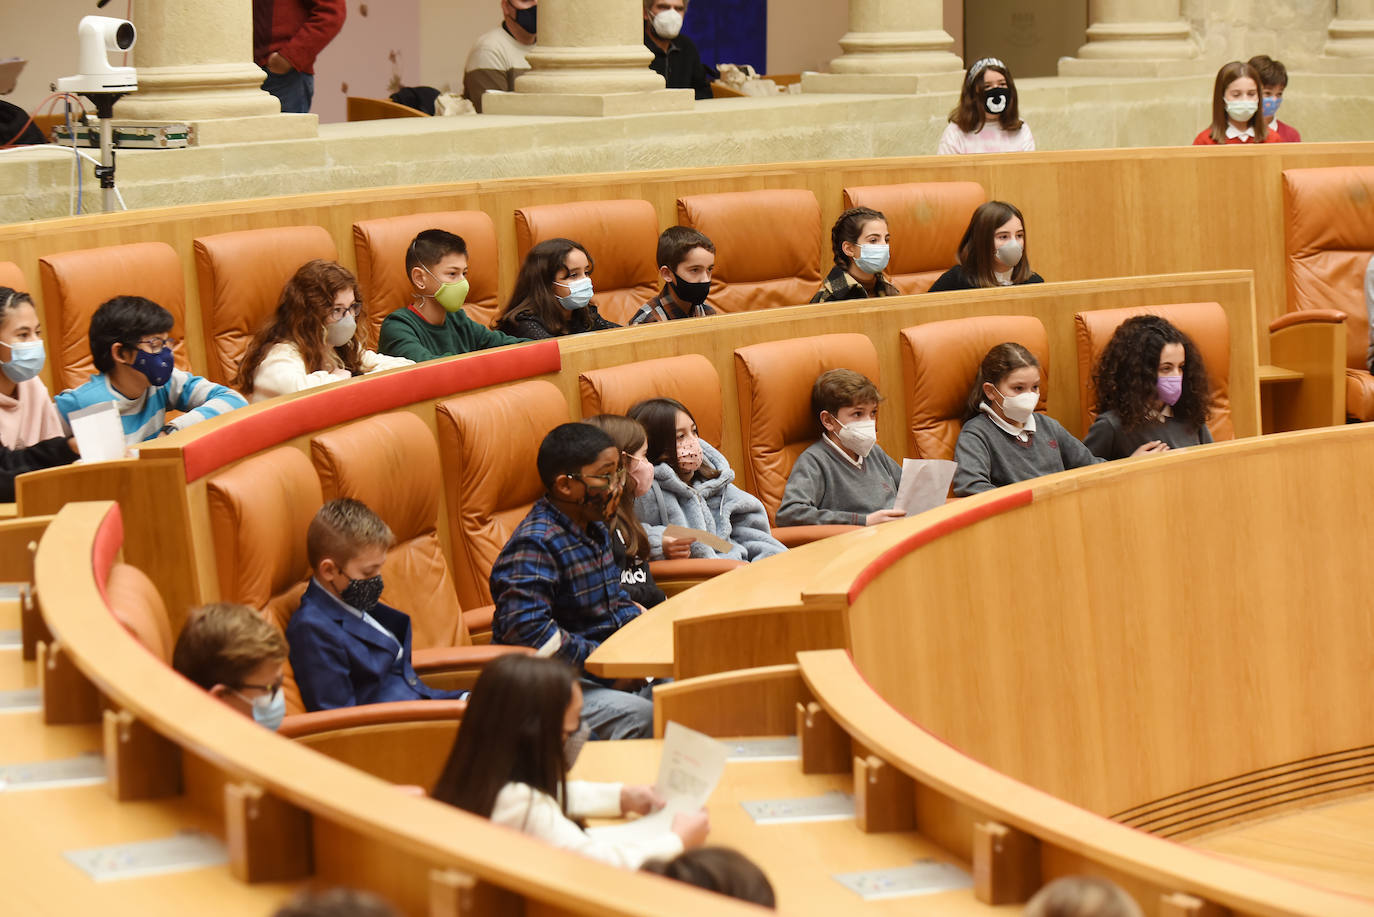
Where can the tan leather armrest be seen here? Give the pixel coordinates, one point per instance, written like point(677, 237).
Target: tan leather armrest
point(439, 658)
point(1303, 316)
point(692, 568)
point(795, 535)
point(409, 711)
point(479, 619)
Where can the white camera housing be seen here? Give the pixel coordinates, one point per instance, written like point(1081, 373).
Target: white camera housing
point(96, 36)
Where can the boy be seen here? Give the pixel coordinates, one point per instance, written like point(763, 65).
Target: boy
point(845, 478)
point(348, 648)
point(1273, 81)
point(686, 261)
point(435, 325)
point(132, 348)
point(556, 585)
point(232, 652)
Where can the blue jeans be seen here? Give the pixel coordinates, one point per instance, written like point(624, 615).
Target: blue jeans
point(295, 90)
point(612, 714)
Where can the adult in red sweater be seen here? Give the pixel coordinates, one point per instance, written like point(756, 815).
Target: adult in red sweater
point(287, 37)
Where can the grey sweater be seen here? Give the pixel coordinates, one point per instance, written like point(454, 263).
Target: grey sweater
point(989, 457)
point(825, 489)
point(1108, 439)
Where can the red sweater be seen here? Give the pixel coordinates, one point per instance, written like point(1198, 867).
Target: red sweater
point(1205, 138)
point(1287, 132)
point(298, 30)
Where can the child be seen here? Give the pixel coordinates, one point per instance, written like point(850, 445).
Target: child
point(686, 261)
point(992, 252)
point(860, 241)
point(131, 343)
point(314, 338)
point(845, 478)
point(718, 869)
point(27, 414)
point(233, 653)
point(1236, 116)
point(1003, 441)
point(519, 738)
point(988, 117)
point(553, 294)
point(348, 648)
point(1273, 81)
point(1152, 391)
point(694, 487)
point(1081, 896)
point(435, 325)
point(556, 585)
point(629, 541)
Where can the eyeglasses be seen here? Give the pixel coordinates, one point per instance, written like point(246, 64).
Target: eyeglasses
point(338, 312)
point(156, 344)
point(614, 479)
point(270, 690)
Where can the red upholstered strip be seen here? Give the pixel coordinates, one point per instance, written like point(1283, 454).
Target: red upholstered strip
point(363, 398)
point(109, 538)
point(930, 533)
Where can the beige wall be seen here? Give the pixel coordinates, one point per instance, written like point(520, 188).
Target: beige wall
point(448, 29)
point(44, 34)
point(374, 50)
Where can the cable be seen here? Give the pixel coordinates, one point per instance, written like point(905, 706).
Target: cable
point(76, 159)
point(49, 101)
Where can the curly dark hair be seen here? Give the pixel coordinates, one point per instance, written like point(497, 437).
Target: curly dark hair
point(1126, 373)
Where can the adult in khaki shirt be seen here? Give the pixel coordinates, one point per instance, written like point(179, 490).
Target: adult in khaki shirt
point(498, 57)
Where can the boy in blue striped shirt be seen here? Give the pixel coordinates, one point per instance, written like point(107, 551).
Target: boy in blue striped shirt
point(132, 350)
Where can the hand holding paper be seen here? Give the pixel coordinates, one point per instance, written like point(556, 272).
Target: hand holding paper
point(925, 485)
point(98, 431)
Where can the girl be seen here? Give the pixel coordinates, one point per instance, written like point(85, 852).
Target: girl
point(1152, 391)
point(27, 413)
point(987, 119)
point(694, 487)
point(860, 242)
point(518, 739)
point(316, 337)
point(629, 541)
point(1003, 441)
point(992, 252)
point(1236, 115)
point(553, 294)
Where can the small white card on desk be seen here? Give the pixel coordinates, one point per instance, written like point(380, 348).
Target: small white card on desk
point(182, 851)
point(779, 748)
point(925, 485)
point(924, 877)
point(832, 806)
point(99, 432)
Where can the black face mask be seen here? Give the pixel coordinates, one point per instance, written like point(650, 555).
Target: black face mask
point(528, 19)
point(363, 594)
point(996, 100)
point(694, 294)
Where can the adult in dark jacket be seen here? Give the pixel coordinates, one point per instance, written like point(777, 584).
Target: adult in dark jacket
point(676, 57)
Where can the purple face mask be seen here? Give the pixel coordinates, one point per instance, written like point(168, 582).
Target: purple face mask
point(1170, 388)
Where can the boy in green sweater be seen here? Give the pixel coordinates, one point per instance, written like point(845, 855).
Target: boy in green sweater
point(434, 325)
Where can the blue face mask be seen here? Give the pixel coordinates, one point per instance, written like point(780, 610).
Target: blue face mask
point(872, 257)
point(156, 366)
point(579, 293)
point(26, 360)
point(268, 709)
point(1271, 107)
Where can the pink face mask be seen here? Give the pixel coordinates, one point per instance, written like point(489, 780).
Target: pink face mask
point(642, 475)
point(689, 455)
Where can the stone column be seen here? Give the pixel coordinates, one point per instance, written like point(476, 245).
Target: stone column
point(1135, 38)
point(195, 64)
point(590, 60)
point(1352, 31)
point(892, 46)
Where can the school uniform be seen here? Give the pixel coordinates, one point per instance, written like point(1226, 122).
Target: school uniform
point(1108, 438)
point(1235, 135)
point(827, 487)
point(992, 453)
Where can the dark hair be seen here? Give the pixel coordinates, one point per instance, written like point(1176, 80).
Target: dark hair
point(659, 419)
point(629, 435)
point(718, 869)
point(512, 731)
point(11, 299)
point(305, 302)
point(676, 242)
point(848, 228)
point(568, 448)
point(1126, 372)
point(1271, 72)
point(975, 248)
point(1227, 75)
point(432, 246)
point(970, 115)
point(1081, 896)
point(123, 320)
point(997, 364)
point(532, 291)
point(335, 902)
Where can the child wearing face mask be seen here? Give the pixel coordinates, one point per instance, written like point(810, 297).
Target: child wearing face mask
point(234, 654)
point(347, 647)
point(629, 541)
point(1236, 109)
point(131, 344)
point(1003, 440)
point(988, 116)
point(845, 478)
point(1273, 81)
point(318, 335)
point(521, 734)
point(434, 324)
point(992, 253)
point(686, 261)
point(1152, 391)
point(27, 414)
point(860, 241)
point(553, 294)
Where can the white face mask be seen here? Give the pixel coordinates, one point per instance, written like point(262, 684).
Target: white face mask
point(1242, 109)
point(579, 293)
point(572, 745)
point(668, 24)
point(858, 437)
point(1019, 408)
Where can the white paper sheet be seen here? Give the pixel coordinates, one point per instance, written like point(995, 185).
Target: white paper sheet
point(925, 484)
point(98, 431)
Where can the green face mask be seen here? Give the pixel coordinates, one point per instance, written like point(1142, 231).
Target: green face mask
point(451, 295)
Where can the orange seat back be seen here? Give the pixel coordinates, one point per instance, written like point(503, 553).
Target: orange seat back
point(926, 220)
point(690, 380)
point(137, 605)
point(11, 276)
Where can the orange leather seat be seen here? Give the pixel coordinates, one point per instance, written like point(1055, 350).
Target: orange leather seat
point(1328, 238)
point(926, 220)
point(381, 247)
point(1204, 322)
point(11, 276)
point(768, 246)
point(622, 238)
point(76, 283)
point(940, 364)
point(690, 380)
point(137, 605)
point(240, 276)
point(488, 442)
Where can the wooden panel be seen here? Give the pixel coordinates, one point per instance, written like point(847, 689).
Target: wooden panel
point(751, 702)
point(405, 753)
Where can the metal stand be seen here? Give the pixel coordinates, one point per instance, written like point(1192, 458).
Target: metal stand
point(104, 109)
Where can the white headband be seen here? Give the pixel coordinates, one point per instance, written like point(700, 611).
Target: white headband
point(981, 65)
